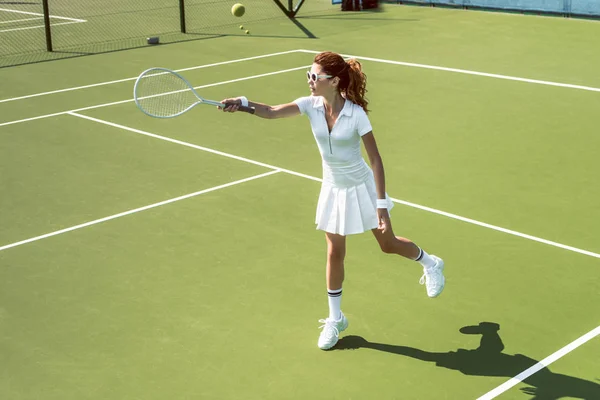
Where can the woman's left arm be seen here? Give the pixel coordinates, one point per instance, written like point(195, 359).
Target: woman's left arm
point(376, 163)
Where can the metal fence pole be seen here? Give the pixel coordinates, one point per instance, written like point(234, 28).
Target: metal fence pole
point(182, 15)
point(47, 25)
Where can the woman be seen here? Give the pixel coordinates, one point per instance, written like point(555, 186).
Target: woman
point(353, 197)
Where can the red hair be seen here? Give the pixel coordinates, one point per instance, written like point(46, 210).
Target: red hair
point(353, 82)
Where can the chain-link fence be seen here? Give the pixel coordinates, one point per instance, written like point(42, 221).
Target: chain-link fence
point(70, 28)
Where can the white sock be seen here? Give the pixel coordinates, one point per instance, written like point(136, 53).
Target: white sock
point(335, 303)
point(425, 259)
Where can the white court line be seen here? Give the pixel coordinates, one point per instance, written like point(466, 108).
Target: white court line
point(540, 365)
point(20, 20)
point(497, 228)
point(314, 52)
point(134, 78)
point(464, 71)
point(429, 209)
point(194, 146)
point(131, 100)
point(434, 67)
point(97, 221)
point(41, 15)
point(39, 26)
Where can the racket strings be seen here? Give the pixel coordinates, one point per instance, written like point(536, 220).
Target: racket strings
point(163, 94)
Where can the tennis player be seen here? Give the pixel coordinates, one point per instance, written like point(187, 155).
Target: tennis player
point(353, 198)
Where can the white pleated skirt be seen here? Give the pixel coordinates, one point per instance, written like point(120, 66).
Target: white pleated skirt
point(348, 210)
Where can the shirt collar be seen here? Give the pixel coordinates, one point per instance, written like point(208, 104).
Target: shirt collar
point(346, 110)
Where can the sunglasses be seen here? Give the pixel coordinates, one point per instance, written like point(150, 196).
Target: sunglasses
point(315, 77)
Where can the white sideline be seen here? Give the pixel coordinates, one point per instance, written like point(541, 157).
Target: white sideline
point(468, 72)
point(41, 15)
point(498, 228)
point(540, 365)
point(134, 78)
point(39, 26)
point(20, 20)
point(131, 100)
point(97, 221)
point(426, 66)
point(206, 149)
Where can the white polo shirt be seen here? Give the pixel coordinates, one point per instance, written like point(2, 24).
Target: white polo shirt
point(343, 164)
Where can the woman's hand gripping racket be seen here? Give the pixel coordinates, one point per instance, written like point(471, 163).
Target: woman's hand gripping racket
point(162, 93)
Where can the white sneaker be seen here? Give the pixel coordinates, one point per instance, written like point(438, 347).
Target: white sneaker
point(434, 279)
point(331, 331)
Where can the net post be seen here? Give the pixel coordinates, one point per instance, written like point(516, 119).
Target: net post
point(297, 8)
point(182, 15)
point(47, 25)
point(282, 7)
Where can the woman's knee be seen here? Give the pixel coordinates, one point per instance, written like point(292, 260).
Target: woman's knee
point(336, 253)
point(388, 246)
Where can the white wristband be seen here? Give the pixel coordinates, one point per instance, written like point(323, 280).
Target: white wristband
point(244, 101)
point(382, 203)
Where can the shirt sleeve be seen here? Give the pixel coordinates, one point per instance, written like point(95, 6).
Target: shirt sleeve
point(363, 125)
point(303, 104)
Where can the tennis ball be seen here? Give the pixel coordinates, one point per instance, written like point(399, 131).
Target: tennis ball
point(247, 32)
point(238, 9)
point(241, 26)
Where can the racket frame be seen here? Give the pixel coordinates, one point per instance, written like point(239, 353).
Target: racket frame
point(201, 100)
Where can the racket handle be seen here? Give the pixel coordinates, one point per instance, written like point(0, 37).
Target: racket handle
point(249, 110)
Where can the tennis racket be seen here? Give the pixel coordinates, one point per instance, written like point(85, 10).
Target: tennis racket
point(162, 93)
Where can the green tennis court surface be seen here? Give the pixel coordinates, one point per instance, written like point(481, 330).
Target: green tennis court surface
point(154, 259)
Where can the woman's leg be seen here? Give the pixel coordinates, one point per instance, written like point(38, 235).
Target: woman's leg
point(391, 244)
point(336, 322)
point(433, 266)
point(336, 252)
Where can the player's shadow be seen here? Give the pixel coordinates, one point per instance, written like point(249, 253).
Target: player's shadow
point(489, 360)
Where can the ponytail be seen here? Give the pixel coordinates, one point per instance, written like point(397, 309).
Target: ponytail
point(357, 84)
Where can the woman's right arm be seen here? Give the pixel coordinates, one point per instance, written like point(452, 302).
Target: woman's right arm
point(264, 110)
